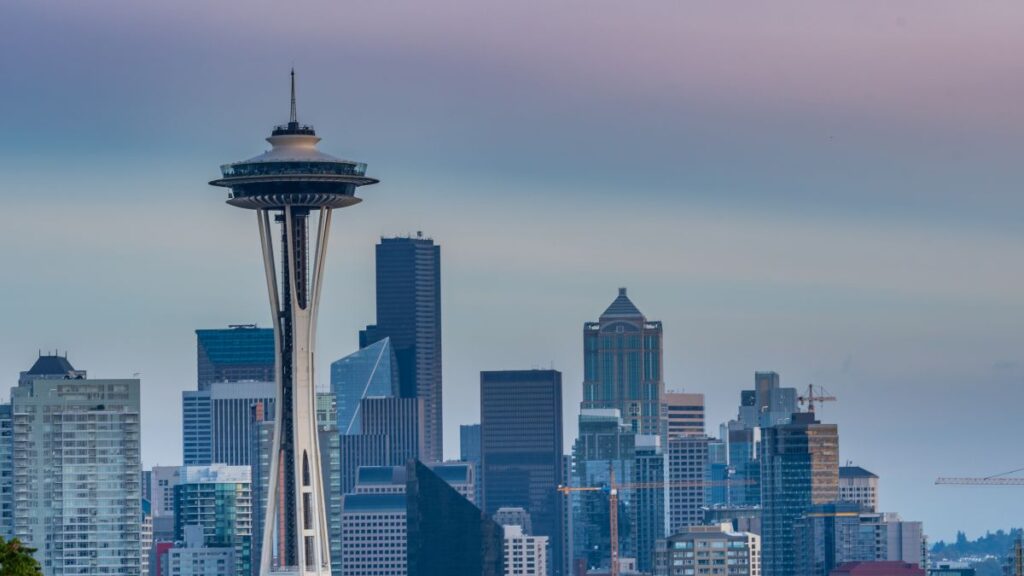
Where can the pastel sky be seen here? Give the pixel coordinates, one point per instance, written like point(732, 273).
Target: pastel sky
point(831, 190)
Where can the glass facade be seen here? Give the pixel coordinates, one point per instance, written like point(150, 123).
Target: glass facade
point(622, 365)
point(370, 372)
point(446, 533)
point(521, 448)
point(409, 312)
point(799, 468)
point(242, 352)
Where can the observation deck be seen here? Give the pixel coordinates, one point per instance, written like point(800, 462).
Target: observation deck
point(293, 173)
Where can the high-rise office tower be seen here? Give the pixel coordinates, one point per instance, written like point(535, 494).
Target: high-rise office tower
point(215, 422)
point(604, 446)
point(622, 365)
point(6, 472)
point(77, 469)
point(743, 460)
point(649, 507)
point(684, 414)
point(521, 447)
point(287, 184)
point(369, 372)
point(709, 550)
point(768, 404)
point(858, 485)
point(469, 451)
point(409, 312)
point(799, 468)
point(236, 353)
point(688, 469)
point(716, 493)
point(219, 499)
point(373, 517)
point(446, 533)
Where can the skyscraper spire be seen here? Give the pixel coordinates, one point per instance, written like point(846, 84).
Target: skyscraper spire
point(294, 118)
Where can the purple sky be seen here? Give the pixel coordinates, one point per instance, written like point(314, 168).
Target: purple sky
point(830, 190)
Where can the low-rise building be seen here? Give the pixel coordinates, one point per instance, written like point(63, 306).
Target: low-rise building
point(709, 550)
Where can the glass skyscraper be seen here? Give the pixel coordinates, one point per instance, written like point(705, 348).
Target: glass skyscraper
point(409, 312)
point(369, 372)
point(799, 468)
point(622, 365)
point(446, 533)
point(216, 421)
point(239, 352)
point(521, 448)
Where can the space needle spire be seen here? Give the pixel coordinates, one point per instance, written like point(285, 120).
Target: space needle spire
point(285, 186)
point(294, 118)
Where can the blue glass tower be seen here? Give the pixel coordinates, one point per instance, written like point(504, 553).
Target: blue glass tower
point(367, 373)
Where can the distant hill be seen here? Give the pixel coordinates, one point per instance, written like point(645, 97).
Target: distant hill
point(996, 544)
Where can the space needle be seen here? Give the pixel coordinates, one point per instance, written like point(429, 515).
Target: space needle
point(287, 184)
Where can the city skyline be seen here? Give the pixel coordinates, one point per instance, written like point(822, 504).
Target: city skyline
point(832, 263)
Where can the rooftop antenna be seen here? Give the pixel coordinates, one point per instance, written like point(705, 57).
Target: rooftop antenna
point(294, 118)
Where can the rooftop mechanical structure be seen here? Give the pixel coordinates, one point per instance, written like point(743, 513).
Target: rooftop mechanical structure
point(287, 184)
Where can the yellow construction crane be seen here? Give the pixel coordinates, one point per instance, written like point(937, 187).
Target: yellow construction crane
point(613, 503)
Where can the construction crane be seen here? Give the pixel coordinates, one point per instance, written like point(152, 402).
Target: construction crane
point(821, 396)
point(613, 503)
point(1001, 479)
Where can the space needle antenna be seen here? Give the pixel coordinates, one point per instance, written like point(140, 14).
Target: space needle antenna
point(294, 118)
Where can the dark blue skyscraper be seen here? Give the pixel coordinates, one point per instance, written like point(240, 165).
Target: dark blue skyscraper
point(409, 312)
point(239, 352)
point(469, 451)
point(521, 448)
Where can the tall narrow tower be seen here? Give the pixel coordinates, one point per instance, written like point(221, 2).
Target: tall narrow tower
point(290, 182)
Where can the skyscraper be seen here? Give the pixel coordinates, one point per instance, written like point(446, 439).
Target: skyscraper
point(605, 445)
point(768, 404)
point(77, 470)
point(684, 413)
point(238, 352)
point(215, 421)
point(799, 468)
point(217, 498)
point(447, 534)
point(858, 485)
point(409, 312)
point(291, 181)
point(649, 503)
point(688, 469)
point(622, 365)
point(521, 447)
point(373, 518)
point(828, 535)
point(369, 372)
point(469, 451)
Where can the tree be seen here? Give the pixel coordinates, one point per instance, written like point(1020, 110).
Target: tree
point(17, 560)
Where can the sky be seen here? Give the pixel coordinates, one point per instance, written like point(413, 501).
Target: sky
point(830, 190)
